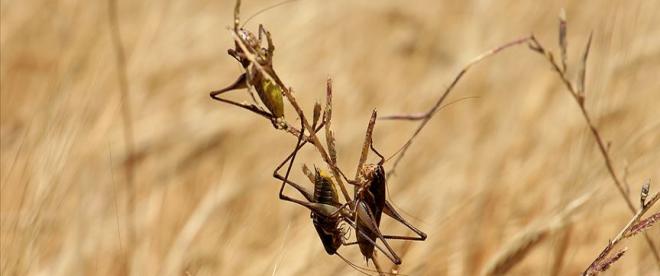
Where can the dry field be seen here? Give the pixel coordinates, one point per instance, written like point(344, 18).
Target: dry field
point(485, 171)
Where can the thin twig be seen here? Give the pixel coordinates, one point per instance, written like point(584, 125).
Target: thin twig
point(426, 116)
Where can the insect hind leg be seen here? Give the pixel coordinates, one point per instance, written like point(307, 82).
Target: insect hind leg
point(391, 212)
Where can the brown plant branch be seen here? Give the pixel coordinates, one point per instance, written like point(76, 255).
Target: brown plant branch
point(426, 116)
point(578, 94)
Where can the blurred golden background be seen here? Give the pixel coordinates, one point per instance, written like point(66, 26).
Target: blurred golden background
point(484, 170)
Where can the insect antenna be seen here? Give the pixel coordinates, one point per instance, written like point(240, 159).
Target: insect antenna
point(382, 158)
point(387, 190)
point(407, 144)
point(266, 9)
point(416, 117)
point(363, 269)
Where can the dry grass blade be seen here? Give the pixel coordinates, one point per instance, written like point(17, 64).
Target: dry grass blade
point(127, 123)
point(329, 135)
point(562, 242)
point(563, 43)
point(176, 254)
point(583, 68)
point(643, 225)
point(515, 251)
point(520, 245)
point(605, 265)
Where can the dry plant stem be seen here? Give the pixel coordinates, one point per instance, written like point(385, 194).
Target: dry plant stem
point(367, 144)
point(330, 139)
point(429, 114)
point(292, 100)
point(579, 97)
point(591, 270)
point(126, 115)
point(317, 143)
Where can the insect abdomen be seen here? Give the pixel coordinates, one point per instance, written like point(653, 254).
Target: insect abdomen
point(327, 227)
point(372, 202)
point(324, 189)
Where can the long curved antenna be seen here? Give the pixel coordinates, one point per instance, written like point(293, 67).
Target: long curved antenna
point(421, 116)
point(362, 269)
point(416, 117)
point(354, 266)
point(448, 90)
point(266, 9)
point(382, 158)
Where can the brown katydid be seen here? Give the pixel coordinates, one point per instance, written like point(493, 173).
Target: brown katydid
point(259, 74)
point(370, 202)
point(362, 213)
point(328, 215)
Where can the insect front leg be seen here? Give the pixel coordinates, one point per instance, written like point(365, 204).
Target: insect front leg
point(276, 174)
point(239, 83)
point(292, 156)
point(251, 81)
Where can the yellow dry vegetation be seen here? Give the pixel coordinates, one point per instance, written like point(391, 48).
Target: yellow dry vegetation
point(483, 172)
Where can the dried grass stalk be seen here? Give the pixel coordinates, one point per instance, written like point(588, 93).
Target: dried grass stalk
point(516, 250)
point(577, 92)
